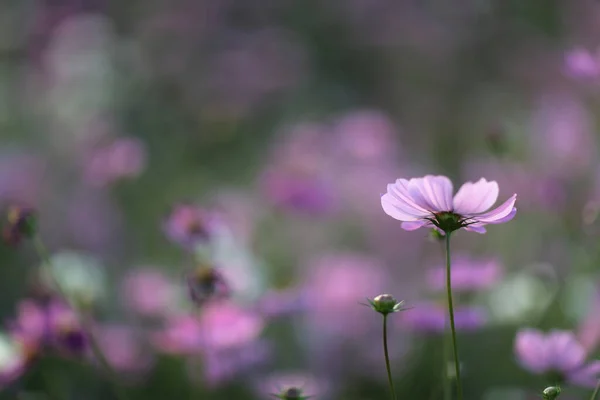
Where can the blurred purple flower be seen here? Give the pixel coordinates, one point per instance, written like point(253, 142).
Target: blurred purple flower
point(189, 225)
point(557, 354)
point(147, 292)
point(580, 63)
point(123, 349)
point(65, 330)
point(428, 202)
point(123, 158)
point(20, 178)
point(297, 191)
point(431, 318)
point(277, 303)
point(254, 69)
point(468, 274)
point(294, 178)
point(51, 324)
point(226, 364)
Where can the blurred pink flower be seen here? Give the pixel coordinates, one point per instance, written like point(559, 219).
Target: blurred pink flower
point(225, 325)
point(147, 292)
point(580, 63)
point(335, 285)
point(563, 138)
point(558, 354)
point(189, 225)
point(182, 334)
point(432, 317)
point(230, 341)
point(428, 202)
point(123, 158)
point(49, 324)
point(366, 136)
point(275, 383)
point(123, 349)
point(468, 274)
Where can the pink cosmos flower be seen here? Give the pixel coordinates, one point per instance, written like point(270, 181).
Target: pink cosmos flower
point(428, 202)
point(557, 354)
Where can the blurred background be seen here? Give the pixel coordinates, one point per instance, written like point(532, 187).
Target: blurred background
point(206, 178)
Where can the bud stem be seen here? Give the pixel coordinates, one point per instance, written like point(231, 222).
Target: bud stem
point(596, 390)
point(451, 312)
point(47, 265)
point(387, 357)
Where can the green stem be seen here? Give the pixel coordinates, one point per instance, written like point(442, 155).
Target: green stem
point(451, 312)
point(387, 357)
point(596, 391)
point(96, 350)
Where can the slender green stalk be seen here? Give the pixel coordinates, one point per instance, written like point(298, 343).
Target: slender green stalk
point(451, 312)
point(387, 357)
point(98, 354)
point(596, 391)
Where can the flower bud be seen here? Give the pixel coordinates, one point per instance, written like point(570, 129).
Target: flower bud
point(551, 393)
point(386, 304)
point(291, 393)
point(206, 283)
point(435, 235)
point(21, 223)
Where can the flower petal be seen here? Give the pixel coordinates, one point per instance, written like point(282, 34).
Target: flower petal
point(391, 206)
point(403, 199)
point(531, 351)
point(414, 225)
point(433, 193)
point(499, 214)
point(565, 353)
point(475, 198)
point(475, 228)
point(587, 376)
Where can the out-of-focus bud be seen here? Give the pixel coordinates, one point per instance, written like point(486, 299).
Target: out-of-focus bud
point(291, 393)
point(21, 223)
point(189, 225)
point(436, 236)
point(386, 304)
point(206, 283)
point(551, 393)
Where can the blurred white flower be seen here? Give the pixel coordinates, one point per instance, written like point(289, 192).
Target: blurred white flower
point(81, 276)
